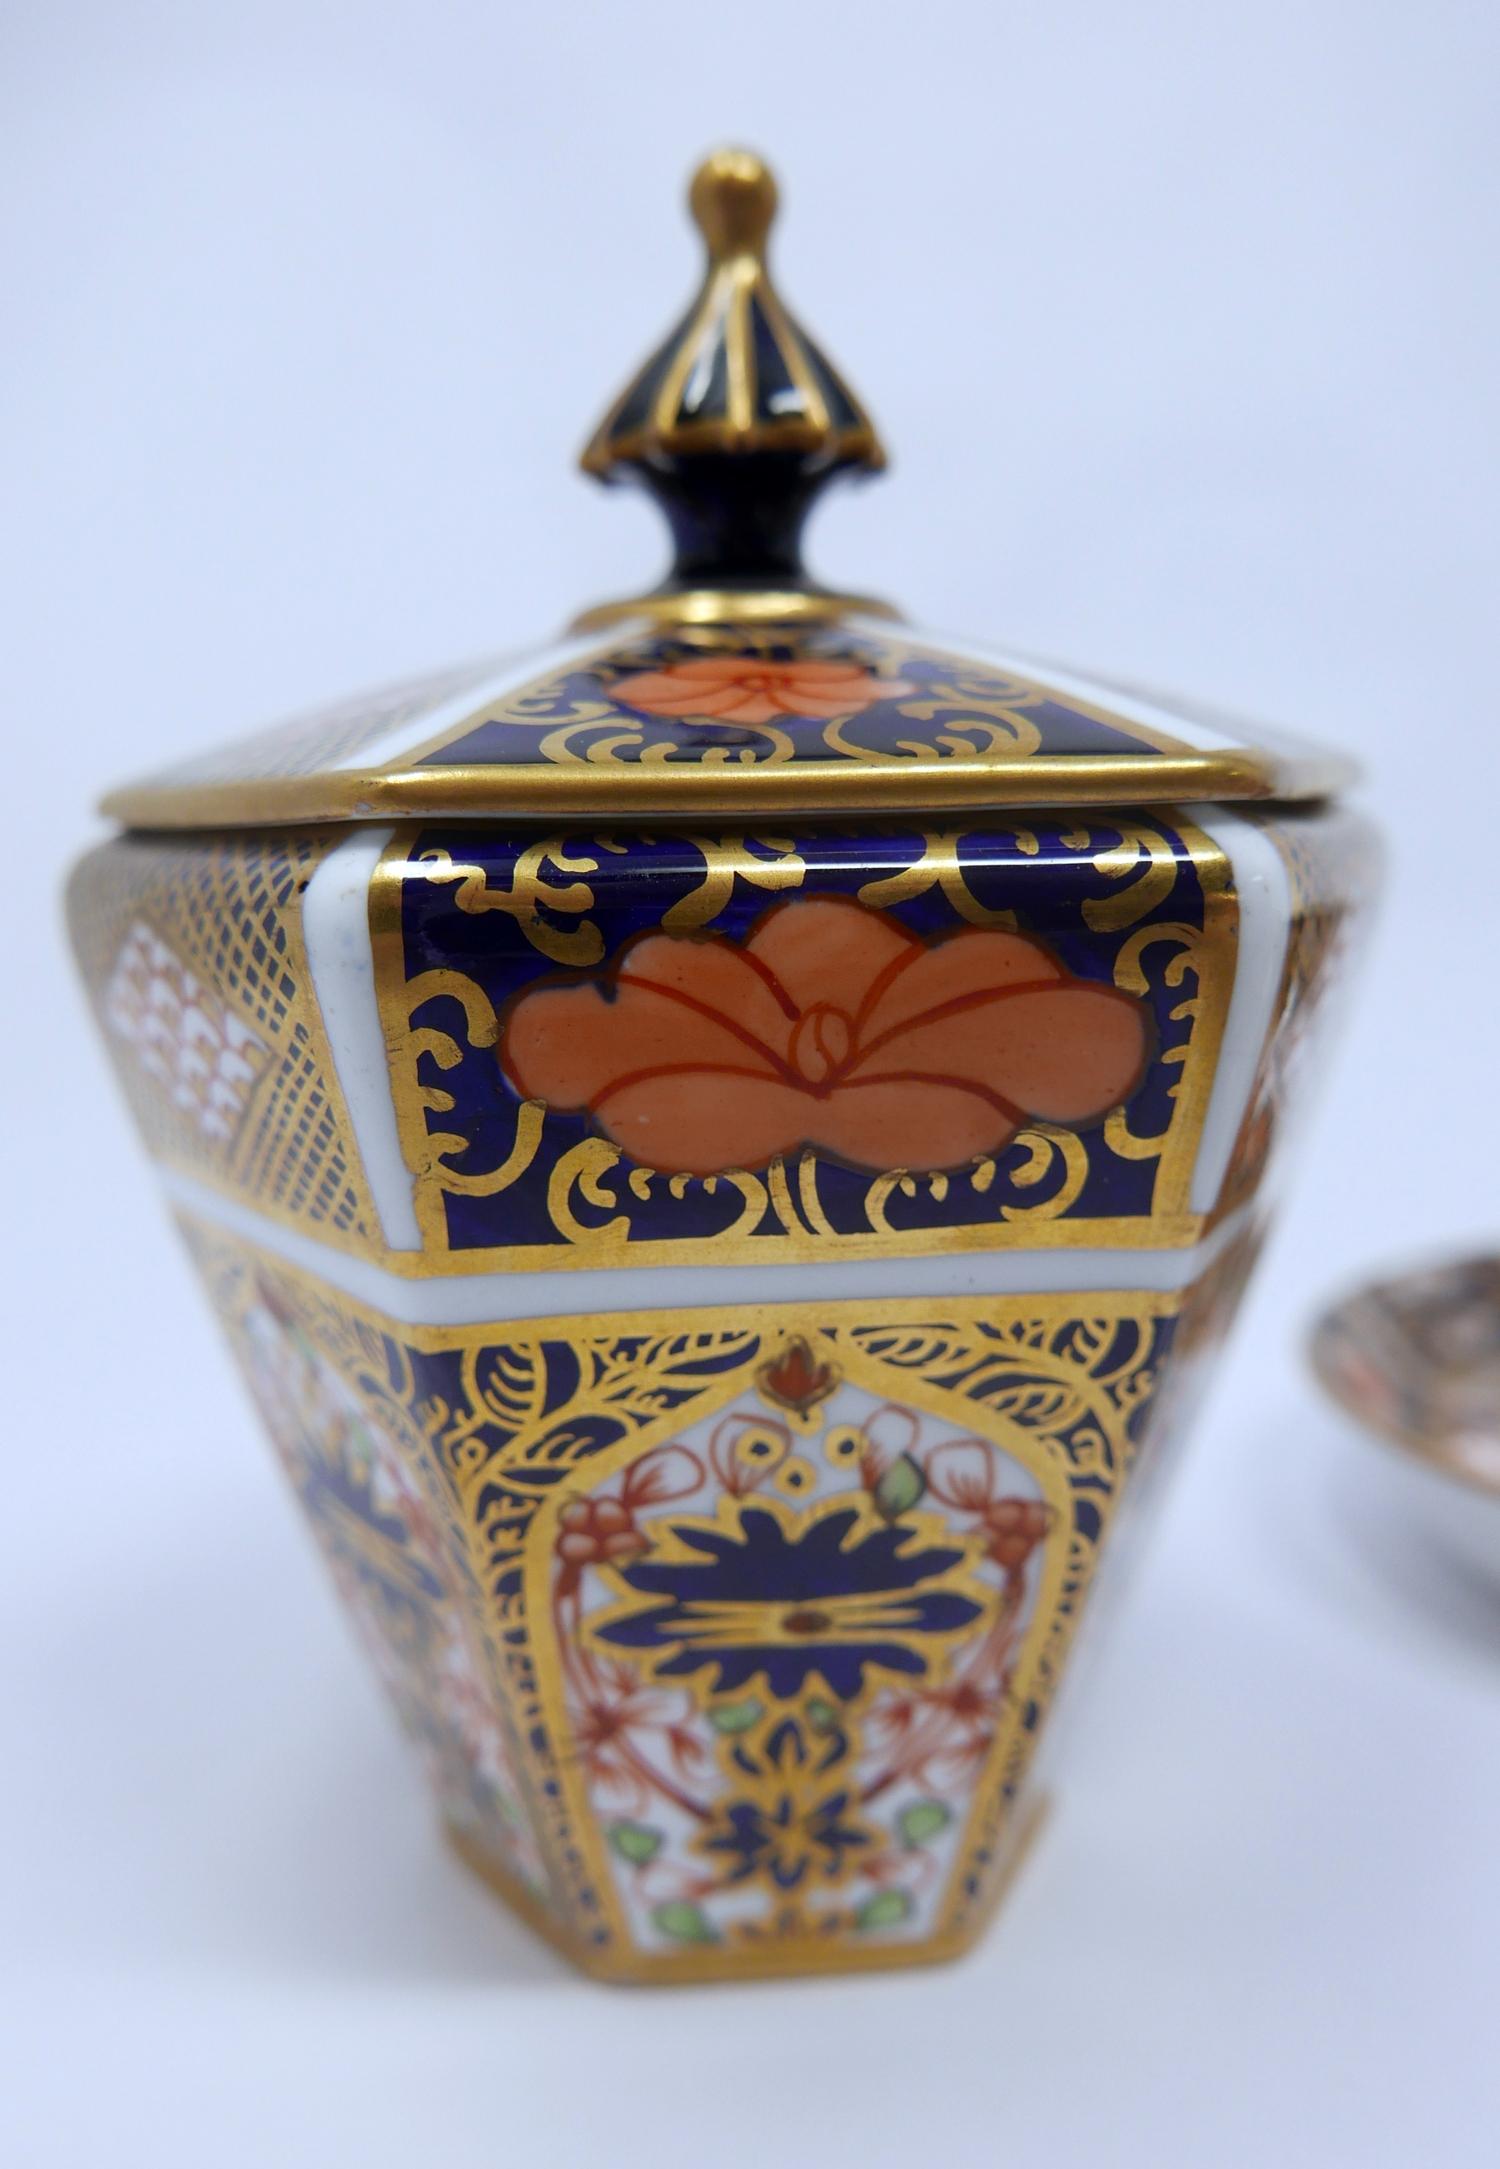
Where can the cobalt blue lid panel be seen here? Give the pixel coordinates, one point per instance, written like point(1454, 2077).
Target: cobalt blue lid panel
point(786, 697)
point(730, 722)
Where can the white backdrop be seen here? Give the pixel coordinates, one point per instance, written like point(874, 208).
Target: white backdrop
point(1182, 323)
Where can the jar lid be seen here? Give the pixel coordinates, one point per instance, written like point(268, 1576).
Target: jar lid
point(739, 686)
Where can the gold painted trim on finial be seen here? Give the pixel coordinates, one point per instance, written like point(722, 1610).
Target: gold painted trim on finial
point(733, 199)
point(733, 606)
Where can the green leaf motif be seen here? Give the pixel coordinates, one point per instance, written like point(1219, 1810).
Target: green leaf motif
point(734, 1716)
point(635, 1842)
point(821, 1715)
point(921, 1821)
point(884, 1910)
point(685, 1922)
point(900, 1488)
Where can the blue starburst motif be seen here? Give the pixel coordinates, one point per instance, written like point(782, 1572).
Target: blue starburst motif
point(785, 1839)
point(832, 1599)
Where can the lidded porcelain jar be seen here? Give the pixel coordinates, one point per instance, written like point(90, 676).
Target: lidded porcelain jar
point(721, 1147)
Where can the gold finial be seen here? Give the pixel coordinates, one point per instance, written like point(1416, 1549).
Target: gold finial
point(733, 201)
point(739, 376)
point(738, 420)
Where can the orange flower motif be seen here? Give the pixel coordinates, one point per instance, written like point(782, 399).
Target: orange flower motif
point(795, 1379)
point(746, 689)
point(831, 1026)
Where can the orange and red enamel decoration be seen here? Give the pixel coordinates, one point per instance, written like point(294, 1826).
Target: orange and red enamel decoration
point(831, 1026)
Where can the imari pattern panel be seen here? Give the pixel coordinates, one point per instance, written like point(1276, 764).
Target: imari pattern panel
point(821, 1003)
point(727, 1637)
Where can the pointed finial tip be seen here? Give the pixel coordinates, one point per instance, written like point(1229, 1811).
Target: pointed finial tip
point(737, 420)
point(733, 201)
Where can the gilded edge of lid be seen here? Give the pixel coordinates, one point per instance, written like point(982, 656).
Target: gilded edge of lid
point(738, 687)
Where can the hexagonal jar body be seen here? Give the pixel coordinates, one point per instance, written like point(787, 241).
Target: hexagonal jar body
point(714, 1283)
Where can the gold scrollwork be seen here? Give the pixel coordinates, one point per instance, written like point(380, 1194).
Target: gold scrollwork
point(981, 728)
point(503, 1384)
point(727, 859)
point(941, 867)
point(530, 890)
point(1144, 848)
point(590, 1165)
point(584, 1168)
point(428, 1151)
point(1190, 954)
point(1121, 1138)
point(602, 735)
point(879, 1195)
point(1048, 1146)
point(1130, 973)
point(806, 1212)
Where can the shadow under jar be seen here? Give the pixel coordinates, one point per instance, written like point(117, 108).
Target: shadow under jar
point(722, 1147)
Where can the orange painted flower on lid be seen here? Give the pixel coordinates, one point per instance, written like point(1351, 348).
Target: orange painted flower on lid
point(831, 1026)
point(748, 689)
